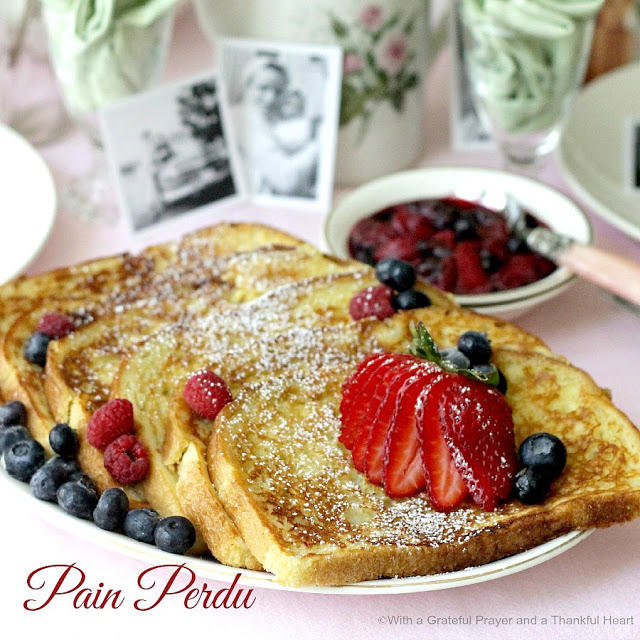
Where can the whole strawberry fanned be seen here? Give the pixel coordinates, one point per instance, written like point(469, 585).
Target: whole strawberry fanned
point(416, 422)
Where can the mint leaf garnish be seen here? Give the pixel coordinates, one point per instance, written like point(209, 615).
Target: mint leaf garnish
point(424, 347)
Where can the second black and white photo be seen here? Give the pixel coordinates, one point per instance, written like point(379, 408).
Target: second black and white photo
point(283, 106)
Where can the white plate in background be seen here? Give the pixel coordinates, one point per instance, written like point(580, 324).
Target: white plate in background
point(27, 203)
point(594, 150)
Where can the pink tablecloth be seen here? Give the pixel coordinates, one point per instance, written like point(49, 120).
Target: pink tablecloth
point(580, 594)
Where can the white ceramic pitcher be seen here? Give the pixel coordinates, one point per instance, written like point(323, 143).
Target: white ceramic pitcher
point(388, 47)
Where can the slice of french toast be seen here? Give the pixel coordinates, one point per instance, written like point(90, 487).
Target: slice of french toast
point(81, 366)
point(244, 345)
point(310, 518)
point(158, 277)
point(178, 480)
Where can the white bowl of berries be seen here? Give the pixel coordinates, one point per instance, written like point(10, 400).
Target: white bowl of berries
point(425, 217)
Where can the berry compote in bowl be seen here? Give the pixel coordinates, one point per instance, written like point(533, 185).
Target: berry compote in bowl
point(448, 223)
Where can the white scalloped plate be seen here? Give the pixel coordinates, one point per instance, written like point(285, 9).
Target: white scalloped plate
point(593, 154)
point(207, 568)
point(27, 202)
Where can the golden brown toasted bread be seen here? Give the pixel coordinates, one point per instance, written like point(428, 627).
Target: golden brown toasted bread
point(245, 344)
point(309, 517)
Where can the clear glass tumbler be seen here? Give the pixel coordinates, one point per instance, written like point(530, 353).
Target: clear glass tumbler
point(526, 60)
point(98, 58)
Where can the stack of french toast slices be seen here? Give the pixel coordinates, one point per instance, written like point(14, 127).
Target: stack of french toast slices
point(267, 484)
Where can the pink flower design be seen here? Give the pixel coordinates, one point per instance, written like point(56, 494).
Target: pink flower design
point(391, 52)
point(371, 17)
point(352, 63)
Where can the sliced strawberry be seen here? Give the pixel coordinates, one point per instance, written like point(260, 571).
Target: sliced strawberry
point(446, 275)
point(472, 277)
point(362, 389)
point(445, 485)
point(403, 248)
point(477, 426)
point(519, 270)
point(410, 223)
point(403, 363)
point(374, 460)
point(460, 203)
point(402, 468)
point(350, 385)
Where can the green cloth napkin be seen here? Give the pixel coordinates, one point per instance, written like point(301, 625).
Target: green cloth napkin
point(103, 50)
point(528, 57)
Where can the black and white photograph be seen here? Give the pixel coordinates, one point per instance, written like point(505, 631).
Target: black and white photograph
point(169, 152)
point(467, 130)
point(283, 105)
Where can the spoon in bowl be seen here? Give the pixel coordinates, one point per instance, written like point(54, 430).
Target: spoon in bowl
point(609, 271)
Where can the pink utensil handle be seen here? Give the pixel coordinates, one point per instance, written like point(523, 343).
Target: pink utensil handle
point(619, 275)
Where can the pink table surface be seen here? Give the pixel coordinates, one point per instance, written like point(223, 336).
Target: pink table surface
point(577, 593)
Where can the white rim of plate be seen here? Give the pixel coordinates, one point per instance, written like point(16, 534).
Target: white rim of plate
point(408, 184)
point(209, 568)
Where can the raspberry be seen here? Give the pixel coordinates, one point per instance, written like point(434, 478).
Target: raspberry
point(126, 459)
point(109, 422)
point(55, 325)
point(206, 393)
point(372, 301)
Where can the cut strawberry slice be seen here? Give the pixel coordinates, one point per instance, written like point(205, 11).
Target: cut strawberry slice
point(404, 248)
point(350, 386)
point(374, 459)
point(400, 364)
point(402, 468)
point(410, 223)
point(477, 426)
point(471, 275)
point(445, 485)
point(361, 390)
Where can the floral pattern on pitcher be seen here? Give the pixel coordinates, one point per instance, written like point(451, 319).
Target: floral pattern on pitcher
point(379, 64)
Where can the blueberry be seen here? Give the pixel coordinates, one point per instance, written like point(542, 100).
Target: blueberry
point(175, 534)
point(46, 481)
point(516, 244)
point(140, 524)
point(455, 356)
point(35, 348)
point(487, 369)
point(13, 413)
point(502, 385)
point(10, 435)
point(531, 485)
point(465, 229)
point(111, 509)
point(67, 467)
point(411, 299)
point(23, 459)
point(64, 440)
point(365, 254)
point(81, 477)
point(77, 499)
point(490, 262)
point(544, 451)
point(397, 274)
point(440, 252)
point(476, 346)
